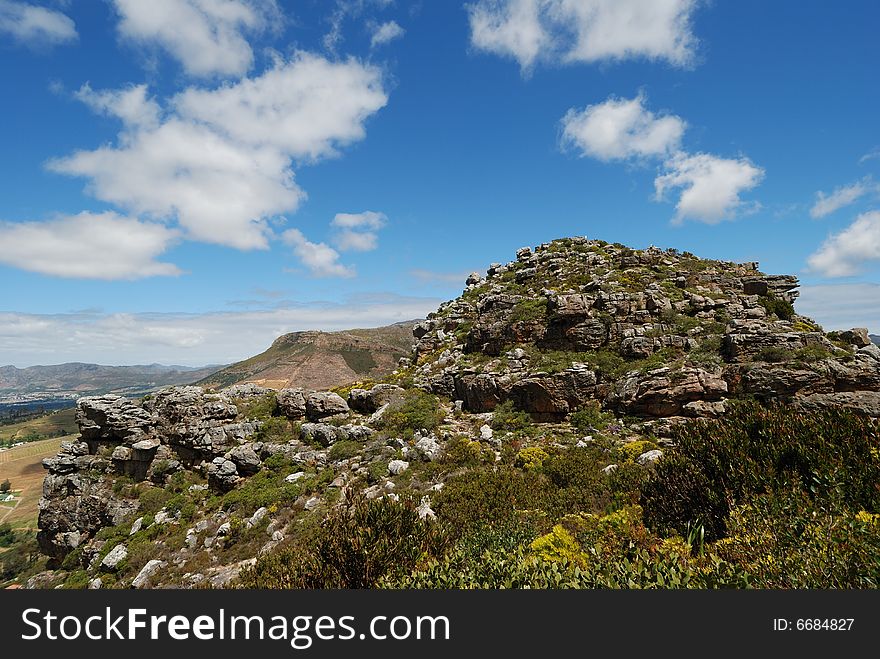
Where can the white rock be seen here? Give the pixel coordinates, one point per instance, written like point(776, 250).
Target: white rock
point(96, 584)
point(312, 503)
point(257, 517)
point(118, 554)
point(138, 524)
point(424, 509)
point(277, 536)
point(147, 572)
point(293, 478)
point(396, 467)
point(224, 529)
point(610, 469)
point(164, 517)
point(650, 457)
point(428, 448)
point(485, 432)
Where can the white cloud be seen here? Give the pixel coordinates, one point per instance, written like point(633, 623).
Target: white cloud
point(356, 232)
point(584, 30)
point(621, 128)
point(845, 253)
point(710, 186)
point(871, 155)
point(367, 220)
point(191, 339)
point(220, 160)
point(509, 28)
point(88, 246)
point(841, 197)
point(385, 33)
point(129, 104)
point(356, 241)
point(321, 259)
point(206, 36)
point(842, 306)
point(307, 108)
point(33, 25)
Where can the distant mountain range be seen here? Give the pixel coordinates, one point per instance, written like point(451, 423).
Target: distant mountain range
point(875, 338)
point(69, 380)
point(321, 360)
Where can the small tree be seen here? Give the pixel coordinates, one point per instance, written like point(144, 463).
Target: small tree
point(5, 486)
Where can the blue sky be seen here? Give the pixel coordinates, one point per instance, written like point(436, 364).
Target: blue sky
point(182, 181)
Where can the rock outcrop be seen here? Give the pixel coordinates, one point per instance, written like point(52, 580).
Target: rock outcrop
point(651, 338)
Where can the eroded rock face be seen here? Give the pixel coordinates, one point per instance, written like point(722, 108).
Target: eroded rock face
point(664, 392)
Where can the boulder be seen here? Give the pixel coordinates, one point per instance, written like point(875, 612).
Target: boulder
point(246, 460)
point(144, 578)
point(396, 467)
point(321, 404)
point(115, 556)
point(291, 403)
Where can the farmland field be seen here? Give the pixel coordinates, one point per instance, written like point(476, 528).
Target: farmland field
point(22, 466)
point(54, 424)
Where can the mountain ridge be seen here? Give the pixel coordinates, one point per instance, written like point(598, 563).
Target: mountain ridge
point(313, 359)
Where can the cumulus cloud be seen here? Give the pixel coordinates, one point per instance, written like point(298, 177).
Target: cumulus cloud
point(88, 246)
point(386, 33)
point(841, 197)
point(624, 129)
point(191, 339)
point(35, 26)
point(320, 259)
point(207, 37)
point(710, 186)
point(130, 104)
point(844, 254)
point(357, 231)
point(621, 128)
point(219, 161)
point(569, 31)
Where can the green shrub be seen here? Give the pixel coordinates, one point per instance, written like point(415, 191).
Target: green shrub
point(7, 535)
point(487, 495)
point(531, 458)
point(786, 540)
point(775, 354)
point(779, 308)
point(590, 417)
point(344, 450)
point(259, 407)
point(506, 418)
point(832, 455)
point(356, 546)
point(529, 310)
point(416, 410)
point(278, 430)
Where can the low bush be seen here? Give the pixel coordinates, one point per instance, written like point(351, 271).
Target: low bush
point(355, 547)
point(506, 418)
point(830, 455)
point(416, 410)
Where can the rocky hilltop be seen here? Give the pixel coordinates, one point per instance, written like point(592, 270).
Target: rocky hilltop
point(575, 343)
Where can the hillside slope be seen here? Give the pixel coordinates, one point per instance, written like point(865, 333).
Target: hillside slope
point(587, 415)
point(321, 360)
point(92, 379)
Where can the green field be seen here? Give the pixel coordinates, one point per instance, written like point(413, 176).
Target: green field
point(54, 424)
